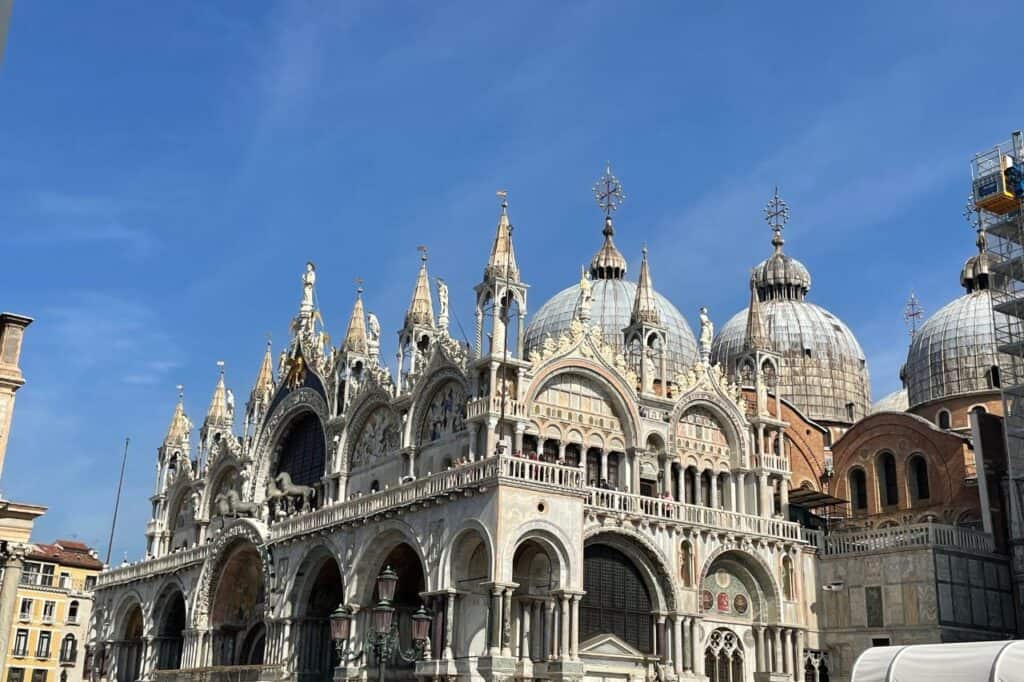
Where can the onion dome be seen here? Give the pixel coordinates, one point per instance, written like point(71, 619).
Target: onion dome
point(824, 370)
point(614, 298)
point(954, 353)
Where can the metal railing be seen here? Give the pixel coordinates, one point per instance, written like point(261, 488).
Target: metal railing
point(222, 673)
point(914, 535)
point(691, 514)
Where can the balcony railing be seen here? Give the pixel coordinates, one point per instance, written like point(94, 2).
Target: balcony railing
point(143, 569)
point(222, 673)
point(774, 463)
point(915, 535)
point(691, 514)
point(513, 408)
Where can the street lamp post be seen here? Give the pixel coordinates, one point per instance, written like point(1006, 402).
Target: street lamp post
point(382, 639)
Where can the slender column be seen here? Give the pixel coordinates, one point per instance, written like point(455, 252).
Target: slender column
point(787, 650)
point(561, 452)
point(764, 495)
point(563, 648)
point(687, 642)
point(517, 444)
point(8, 597)
point(734, 504)
point(759, 646)
point(490, 439)
point(777, 647)
point(472, 441)
point(798, 657)
point(479, 331)
point(677, 640)
point(495, 621)
point(666, 474)
point(662, 648)
point(525, 631)
point(784, 498)
point(506, 623)
point(698, 486)
point(574, 633)
point(549, 629)
point(537, 631)
point(449, 625)
point(741, 500)
point(698, 654)
point(604, 465)
point(519, 334)
point(714, 490)
point(626, 477)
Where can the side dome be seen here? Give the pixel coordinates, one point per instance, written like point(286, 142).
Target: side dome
point(954, 351)
point(824, 371)
point(610, 309)
point(894, 402)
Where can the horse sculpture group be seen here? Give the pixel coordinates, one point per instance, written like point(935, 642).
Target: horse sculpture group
point(283, 497)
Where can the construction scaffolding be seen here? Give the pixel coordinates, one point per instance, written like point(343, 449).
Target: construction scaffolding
point(997, 197)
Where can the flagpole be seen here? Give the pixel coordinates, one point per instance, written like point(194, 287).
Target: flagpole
point(117, 500)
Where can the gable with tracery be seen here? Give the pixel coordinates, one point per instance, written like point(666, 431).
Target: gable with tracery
point(378, 436)
point(445, 415)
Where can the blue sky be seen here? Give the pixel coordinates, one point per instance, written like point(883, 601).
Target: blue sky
point(168, 168)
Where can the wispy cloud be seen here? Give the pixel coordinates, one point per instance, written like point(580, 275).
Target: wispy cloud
point(99, 331)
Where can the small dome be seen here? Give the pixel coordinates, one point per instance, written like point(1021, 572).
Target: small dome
point(611, 308)
point(894, 402)
point(781, 277)
point(824, 371)
point(954, 352)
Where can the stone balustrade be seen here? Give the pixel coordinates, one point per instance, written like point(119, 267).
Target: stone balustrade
point(143, 569)
point(222, 673)
point(774, 463)
point(691, 514)
point(480, 406)
point(914, 535)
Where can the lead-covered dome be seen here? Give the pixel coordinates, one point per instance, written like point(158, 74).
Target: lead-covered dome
point(824, 370)
point(612, 299)
point(954, 352)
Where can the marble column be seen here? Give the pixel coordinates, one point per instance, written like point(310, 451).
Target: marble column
point(687, 642)
point(798, 657)
point(574, 629)
point(526, 632)
point(787, 651)
point(698, 653)
point(517, 444)
point(777, 649)
point(9, 597)
point(784, 498)
point(604, 466)
point(473, 427)
point(677, 641)
point(765, 500)
point(449, 625)
point(495, 621)
point(698, 486)
point(537, 631)
point(662, 645)
point(759, 646)
point(666, 474)
point(506, 623)
point(561, 452)
point(563, 639)
point(550, 633)
point(714, 490)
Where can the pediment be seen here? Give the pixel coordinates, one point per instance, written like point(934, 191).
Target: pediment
point(609, 646)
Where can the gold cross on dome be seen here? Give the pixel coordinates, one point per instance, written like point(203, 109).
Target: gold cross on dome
point(608, 192)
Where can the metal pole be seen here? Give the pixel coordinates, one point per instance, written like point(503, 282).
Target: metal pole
point(117, 500)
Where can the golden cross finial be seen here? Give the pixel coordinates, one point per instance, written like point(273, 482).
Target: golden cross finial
point(912, 313)
point(608, 192)
point(423, 252)
point(220, 364)
point(181, 392)
point(503, 195)
point(359, 285)
point(268, 341)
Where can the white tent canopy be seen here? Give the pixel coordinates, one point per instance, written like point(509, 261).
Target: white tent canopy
point(962, 662)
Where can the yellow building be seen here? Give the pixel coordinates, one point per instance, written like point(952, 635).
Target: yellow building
point(50, 628)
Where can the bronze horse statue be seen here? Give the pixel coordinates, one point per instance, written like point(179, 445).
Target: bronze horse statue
point(231, 504)
point(283, 494)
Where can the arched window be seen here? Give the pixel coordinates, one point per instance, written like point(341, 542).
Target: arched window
point(788, 587)
point(858, 489)
point(73, 611)
point(942, 419)
point(68, 649)
point(723, 657)
point(616, 599)
point(686, 563)
point(303, 455)
point(885, 470)
point(918, 474)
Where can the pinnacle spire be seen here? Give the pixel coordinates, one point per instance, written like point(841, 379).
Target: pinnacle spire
point(502, 262)
point(180, 425)
point(264, 385)
point(645, 308)
point(355, 336)
point(755, 338)
point(421, 308)
point(219, 402)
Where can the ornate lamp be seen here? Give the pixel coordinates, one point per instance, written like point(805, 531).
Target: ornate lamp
point(341, 625)
point(383, 615)
point(387, 581)
point(421, 625)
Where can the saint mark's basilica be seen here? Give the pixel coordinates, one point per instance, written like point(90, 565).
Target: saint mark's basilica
point(587, 491)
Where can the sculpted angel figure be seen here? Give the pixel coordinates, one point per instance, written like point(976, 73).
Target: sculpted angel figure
point(586, 294)
point(707, 332)
point(374, 327)
point(442, 297)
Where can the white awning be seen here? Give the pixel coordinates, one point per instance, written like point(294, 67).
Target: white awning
point(962, 662)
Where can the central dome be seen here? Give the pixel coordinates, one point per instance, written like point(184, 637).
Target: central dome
point(610, 310)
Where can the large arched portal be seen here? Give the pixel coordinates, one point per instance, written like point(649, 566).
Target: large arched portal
point(536, 569)
point(170, 638)
point(129, 646)
point(236, 614)
point(303, 453)
point(616, 600)
point(320, 592)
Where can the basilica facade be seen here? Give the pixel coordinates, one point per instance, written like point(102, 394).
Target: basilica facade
point(590, 491)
